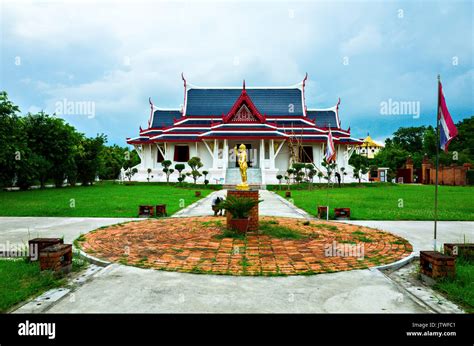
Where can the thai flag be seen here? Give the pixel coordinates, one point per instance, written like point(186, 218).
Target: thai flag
point(330, 153)
point(447, 130)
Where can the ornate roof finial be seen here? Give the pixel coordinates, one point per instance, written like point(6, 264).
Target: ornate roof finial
point(304, 79)
point(150, 119)
point(243, 86)
point(184, 79)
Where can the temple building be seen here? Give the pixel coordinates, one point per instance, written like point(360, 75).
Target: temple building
point(274, 123)
point(369, 148)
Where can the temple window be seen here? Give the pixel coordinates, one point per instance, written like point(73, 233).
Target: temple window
point(181, 153)
point(306, 154)
point(159, 156)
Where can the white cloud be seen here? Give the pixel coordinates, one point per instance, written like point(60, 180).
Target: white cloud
point(367, 40)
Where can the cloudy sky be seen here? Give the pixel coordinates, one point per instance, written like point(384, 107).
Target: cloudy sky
point(110, 56)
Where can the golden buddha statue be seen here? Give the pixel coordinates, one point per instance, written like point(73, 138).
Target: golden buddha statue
point(241, 155)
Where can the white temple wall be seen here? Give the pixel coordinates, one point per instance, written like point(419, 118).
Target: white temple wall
point(282, 160)
point(217, 172)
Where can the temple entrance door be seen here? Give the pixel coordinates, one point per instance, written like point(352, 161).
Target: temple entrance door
point(252, 157)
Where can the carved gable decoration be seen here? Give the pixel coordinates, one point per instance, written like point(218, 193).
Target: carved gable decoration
point(244, 115)
point(244, 111)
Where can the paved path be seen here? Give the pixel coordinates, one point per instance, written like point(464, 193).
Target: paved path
point(119, 288)
point(18, 230)
point(420, 233)
point(272, 205)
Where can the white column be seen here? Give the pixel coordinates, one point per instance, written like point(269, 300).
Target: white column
point(215, 154)
point(225, 154)
point(262, 154)
point(272, 154)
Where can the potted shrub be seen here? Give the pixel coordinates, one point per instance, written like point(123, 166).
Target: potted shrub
point(239, 208)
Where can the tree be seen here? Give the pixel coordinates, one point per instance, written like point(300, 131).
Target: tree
point(409, 138)
point(205, 173)
point(195, 163)
point(463, 144)
point(113, 158)
point(279, 177)
point(297, 168)
point(360, 164)
point(27, 170)
point(13, 144)
point(167, 170)
point(290, 172)
point(343, 173)
point(88, 158)
point(54, 142)
point(149, 176)
point(320, 175)
point(179, 167)
point(311, 173)
point(130, 172)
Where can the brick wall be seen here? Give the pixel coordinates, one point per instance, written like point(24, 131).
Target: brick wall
point(448, 175)
point(253, 194)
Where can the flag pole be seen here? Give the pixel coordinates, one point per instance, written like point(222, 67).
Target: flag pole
point(437, 166)
point(327, 188)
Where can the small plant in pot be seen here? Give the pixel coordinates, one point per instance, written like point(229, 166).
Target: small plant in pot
point(239, 208)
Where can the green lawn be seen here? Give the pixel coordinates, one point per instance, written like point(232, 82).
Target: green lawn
point(461, 288)
point(104, 199)
point(390, 201)
point(21, 280)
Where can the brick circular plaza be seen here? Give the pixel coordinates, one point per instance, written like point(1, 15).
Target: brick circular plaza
point(282, 246)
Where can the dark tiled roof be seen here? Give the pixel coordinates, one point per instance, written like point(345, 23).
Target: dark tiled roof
point(176, 137)
point(229, 134)
point(323, 118)
point(181, 130)
point(199, 122)
point(267, 101)
point(165, 118)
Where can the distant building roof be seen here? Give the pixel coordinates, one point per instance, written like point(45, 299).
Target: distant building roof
point(369, 142)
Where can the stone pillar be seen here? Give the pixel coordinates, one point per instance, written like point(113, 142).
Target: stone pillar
point(409, 165)
point(425, 166)
point(252, 194)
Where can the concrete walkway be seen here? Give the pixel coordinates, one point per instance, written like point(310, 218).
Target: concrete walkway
point(119, 288)
point(272, 205)
point(122, 289)
point(18, 230)
point(420, 233)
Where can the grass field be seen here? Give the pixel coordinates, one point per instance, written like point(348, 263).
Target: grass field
point(390, 201)
point(461, 288)
point(104, 199)
point(21, 280)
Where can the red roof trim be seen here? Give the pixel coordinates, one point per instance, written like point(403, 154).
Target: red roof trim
point(244, 98)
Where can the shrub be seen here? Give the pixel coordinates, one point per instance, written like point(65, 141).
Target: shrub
point(238, 207)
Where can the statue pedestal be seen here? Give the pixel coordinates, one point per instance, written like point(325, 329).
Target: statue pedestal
point(252, 194)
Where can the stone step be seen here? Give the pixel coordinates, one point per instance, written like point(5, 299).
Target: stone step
point(254, 176)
